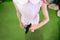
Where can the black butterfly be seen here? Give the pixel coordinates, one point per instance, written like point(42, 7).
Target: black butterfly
point(27, 28)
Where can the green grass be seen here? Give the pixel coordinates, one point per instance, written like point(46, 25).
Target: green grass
point(9, 24)
point(10, 30)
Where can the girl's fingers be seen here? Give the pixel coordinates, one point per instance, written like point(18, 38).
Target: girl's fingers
point(32, 30)
point(21, 25)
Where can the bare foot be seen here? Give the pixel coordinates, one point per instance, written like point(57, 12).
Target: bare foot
point(58, 13)
point(53, 6)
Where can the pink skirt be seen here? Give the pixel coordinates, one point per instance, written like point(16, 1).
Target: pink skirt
point(29, 12)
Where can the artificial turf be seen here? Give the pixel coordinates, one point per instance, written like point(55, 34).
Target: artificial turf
point(10, 28)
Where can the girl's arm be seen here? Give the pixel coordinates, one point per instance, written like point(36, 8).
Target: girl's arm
point(45, 13)
point(46, 18)
point(18, 15)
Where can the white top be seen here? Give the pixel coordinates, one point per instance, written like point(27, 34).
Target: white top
point(29, 10)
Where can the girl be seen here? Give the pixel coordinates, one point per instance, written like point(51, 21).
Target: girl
point(28, 13)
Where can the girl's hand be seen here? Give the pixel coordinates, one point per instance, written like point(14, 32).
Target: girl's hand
point(34, 27)
point(21, 25)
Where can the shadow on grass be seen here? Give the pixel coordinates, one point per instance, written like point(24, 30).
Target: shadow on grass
point(37, 35)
